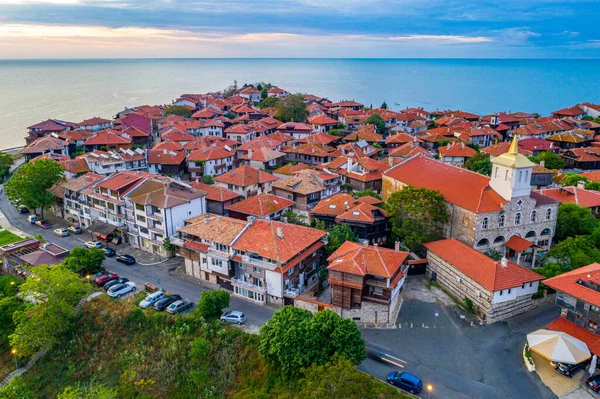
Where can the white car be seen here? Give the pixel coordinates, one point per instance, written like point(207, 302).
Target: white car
point(234, 316)
point(121, 289)
point(61, 232)
point(151, 299)
point(93, 244)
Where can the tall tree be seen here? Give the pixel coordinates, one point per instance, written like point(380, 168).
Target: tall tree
point(551, 160)
point(572, 179)
point(269, 102)
point(574, 220)
point(212, 303)
point(339, 234)
point(31, 183)
point(379, 123)
point(384, 105)
point(417, 215)
point(292, 108)
point(84, 261)
point(6, 161)
point(480, 163)
point(52, 293)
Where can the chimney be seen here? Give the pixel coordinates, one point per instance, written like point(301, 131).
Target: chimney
point(542, 163)
point(366, 244)
point(249, 153)
point(581, 184)
point(348, 165)
point(504, 262)
point(355, 199)
point(206, 220)
point(280, 233)
point(197, 180)
point(285, 219)
point(397, 245)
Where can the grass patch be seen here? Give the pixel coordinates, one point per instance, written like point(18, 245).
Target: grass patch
point(7, 237)
point(147, 354)
point(434, 284)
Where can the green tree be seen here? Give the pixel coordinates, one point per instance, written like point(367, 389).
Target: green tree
point(574, 220)
point(85, 261)
point(52, 293)
point(16, 389)
point(168, 245)
point(295, 218)
point(269, 102)
point(317, 224)
point(293, 339)
point(91, 391)
point(384, 105)
point(208, 179)
point(292, 108)
point(339, 234)
point(336, 132)
point(417, 216)
point(31, 182)
point(551, 160)
point(212, 303)
point(443, 143)
point(572, 179)
point(379, 122)
point(8, 307)
point(9, 286)
point(179, 110)
point(573, 253)
point(367, 193)
point(6, 161)
point(593, 185)
point(480, 163)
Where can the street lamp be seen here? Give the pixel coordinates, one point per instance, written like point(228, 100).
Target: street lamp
point(429, 390)
point(14, 352)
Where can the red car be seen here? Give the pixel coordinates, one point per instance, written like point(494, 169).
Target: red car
point(105, 278)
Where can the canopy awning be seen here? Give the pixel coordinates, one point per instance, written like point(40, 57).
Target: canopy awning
point(519, 244)
point(101, 228)
point(558, 346)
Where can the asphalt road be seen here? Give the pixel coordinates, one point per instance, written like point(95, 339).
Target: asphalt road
point(256, 315)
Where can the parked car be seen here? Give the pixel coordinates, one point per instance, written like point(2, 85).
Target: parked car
point(166, 301)
point(43, 224)
point(93, 244)
point(594, 382)
point(61, 232)
point(569, 370)
point(110, 284)
point(109, 252)
point(179, 306)
point(32, 219)
point(105, 278)
point(127, 259)
point(75, 229)
point(22, 209)
point(234, 316)
point(405, 381)
point(121, 289)
point(151, 299)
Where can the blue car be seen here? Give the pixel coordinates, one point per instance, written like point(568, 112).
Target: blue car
point(405, 381)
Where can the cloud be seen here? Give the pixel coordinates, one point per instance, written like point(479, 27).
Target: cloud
point(443, 38)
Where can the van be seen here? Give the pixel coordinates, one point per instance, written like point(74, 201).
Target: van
point(151, 299)
point(32, 219)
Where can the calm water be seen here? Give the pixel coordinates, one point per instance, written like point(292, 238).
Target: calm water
point(31, 91)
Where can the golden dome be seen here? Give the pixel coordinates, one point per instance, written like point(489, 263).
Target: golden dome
point(512, 158)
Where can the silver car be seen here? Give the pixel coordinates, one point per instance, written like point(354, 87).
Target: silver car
point(121, 289)
point(234, 316)
point(61, 232)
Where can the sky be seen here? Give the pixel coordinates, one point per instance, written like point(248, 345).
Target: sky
point(31, 29)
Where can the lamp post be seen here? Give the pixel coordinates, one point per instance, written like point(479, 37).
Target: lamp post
point(429, 390)
point(14, 352)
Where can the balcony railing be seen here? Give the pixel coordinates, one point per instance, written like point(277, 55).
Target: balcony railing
point(257, 262)
point(218, 254)
point(291, 292)
point(247, 284)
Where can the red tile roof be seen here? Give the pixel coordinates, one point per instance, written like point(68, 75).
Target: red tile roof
point(518, 244)
point(295, 127)
point(569, 283)
point(44, 144)
point(239, 129)
point(94, 121)
point(133, 131)
point(165, 157)
point(572, 194)
point(263, 238)
point(347, 103)
point(593, 176)
point(363, 213)
point(409, 150)
point(481, 268)
point(245, 176)
point(262, 155)
point(318, 138)
point(366, 133)
point(456, 150)
point(316, 150)
point(461, 187)
point(502, 148)
point(322, 120)
point(535, 144)
point(401, 138)
point(571, 111)
point(209, 154)
point(591, 340)
point(108, 137)
point(169, 146)
point(260, 142)
point(216, 193)
point(340, 203)
point(261, 205)
point(356, 258)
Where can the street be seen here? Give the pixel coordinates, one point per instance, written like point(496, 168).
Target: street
point(162, 274)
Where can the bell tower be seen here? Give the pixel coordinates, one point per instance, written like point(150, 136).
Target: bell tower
point(511, 173)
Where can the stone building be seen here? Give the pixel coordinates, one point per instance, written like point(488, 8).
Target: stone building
point(365, 282)
point(498, 289)
point(483, 212)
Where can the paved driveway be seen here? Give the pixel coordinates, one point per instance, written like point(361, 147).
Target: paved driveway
point(256, 315)
point(460, 360)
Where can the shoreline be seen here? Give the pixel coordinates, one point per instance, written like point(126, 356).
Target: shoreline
point(13, 150)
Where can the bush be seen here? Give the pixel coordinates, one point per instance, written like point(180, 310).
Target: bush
point(212, 303)
point(469, 305)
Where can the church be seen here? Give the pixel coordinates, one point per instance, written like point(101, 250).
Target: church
point(500, 212)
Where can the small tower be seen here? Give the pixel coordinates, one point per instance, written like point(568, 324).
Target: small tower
point(511, 173)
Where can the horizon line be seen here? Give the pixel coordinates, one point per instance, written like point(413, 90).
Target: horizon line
point(305, 58)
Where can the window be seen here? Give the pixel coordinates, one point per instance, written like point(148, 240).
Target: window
point(484, 223)
point(255, 269)
point(548, 213)
point(141, 218)
point(594, 308)
point(139, 207)
point(501, 292)
point(520, 176)
point(291, 271)
point(509, 290)
point(530, 285)
point(533, 215)
point(501, 221)
point(506, 176)
point(496, 173)
point(518, 218)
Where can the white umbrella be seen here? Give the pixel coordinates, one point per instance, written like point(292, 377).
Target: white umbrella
point(558, 346)
point(592, 369)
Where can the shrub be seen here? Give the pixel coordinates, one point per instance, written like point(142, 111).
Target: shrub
point(212, 303)
point(469, 305)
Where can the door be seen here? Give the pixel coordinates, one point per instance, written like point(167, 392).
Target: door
point(207, 276)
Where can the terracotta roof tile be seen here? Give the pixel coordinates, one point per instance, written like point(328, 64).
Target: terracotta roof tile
point(572, 194)
point(356, 258)
point(261, 205)
point(456, 150)
point(245, 176)
point(216, 193)
point(214, 228)
point(165, 157)
point(571, 283)
point(591, 340)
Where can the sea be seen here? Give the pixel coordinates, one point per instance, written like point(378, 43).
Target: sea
point(74, 90)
